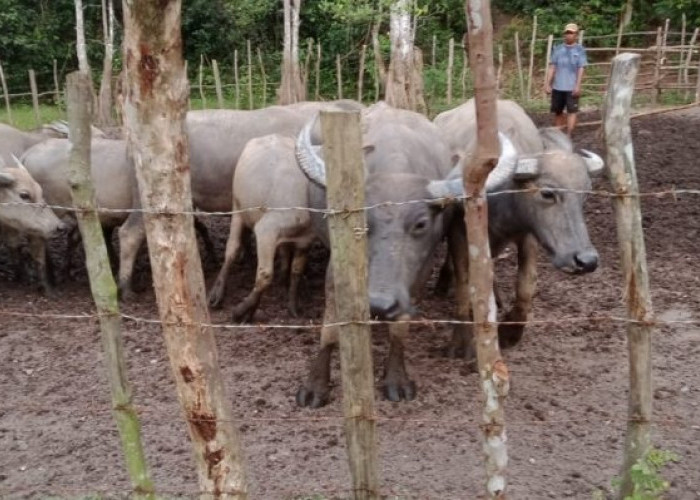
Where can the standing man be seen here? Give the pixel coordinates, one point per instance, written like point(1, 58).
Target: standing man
point(564, 78)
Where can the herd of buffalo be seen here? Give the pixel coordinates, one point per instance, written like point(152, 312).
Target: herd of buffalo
point(273, 158)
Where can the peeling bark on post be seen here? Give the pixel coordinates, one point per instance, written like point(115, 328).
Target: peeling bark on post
point(623, 176)
point(401, 77)
point(102, 285)
point(492, 369)
point(346, 180)
point(155, 107)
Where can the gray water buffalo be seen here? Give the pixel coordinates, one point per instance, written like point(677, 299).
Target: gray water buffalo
point(403, 154)
point(267, 177)
point(548, 209)
point(216, 140)
point(23, 213)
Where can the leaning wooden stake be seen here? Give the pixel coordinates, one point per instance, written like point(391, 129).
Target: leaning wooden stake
point(263, 75)
point(57, 89)
point(201, 81)
point(339, 75)
point(361, 73)
point(492, 369)
point(532, 57)
point(102, 285)
point(236, 79)
point(342, 149)
point(250, 74)
point(35, 97)
point(657, 66)
point(450, 68)
point(217, 84)
point(155, 108)
point(6, 94)
point(623, 176)
point(519, 64)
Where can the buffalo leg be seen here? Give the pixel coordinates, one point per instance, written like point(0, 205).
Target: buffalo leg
point(315, 392)
point(509, 335)
point(397, 385)
point(38, 253)
point(298, 266)
point(233, 246)
point(462, 343)
point(132, 234)
point(203, 232)
point(266, 238)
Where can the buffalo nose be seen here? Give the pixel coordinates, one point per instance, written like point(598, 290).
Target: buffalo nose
point(587, 261)
point(383, 306)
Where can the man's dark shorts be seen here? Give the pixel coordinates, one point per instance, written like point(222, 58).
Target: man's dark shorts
point(561, 100)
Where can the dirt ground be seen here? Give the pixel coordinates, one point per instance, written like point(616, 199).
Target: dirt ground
point(566, 411)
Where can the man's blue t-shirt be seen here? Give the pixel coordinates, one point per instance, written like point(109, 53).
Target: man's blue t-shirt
point(567, 59)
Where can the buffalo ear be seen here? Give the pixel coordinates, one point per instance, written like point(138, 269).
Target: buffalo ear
point(594, 163)
point(456, 158)
point(368, 148)
point(6, 179)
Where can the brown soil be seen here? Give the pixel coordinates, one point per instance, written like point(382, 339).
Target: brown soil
point(566, 412)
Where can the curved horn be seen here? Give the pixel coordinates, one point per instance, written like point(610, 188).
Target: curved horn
point(594, 163)
point(308, 156)
point(18, 163)
point(506, 164)
point(452, 185)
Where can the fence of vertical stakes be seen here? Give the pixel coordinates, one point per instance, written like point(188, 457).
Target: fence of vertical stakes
point(570, 433)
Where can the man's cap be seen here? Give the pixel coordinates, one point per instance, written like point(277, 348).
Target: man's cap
point(572, 27)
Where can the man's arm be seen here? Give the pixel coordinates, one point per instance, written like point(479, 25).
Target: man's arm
point(579, 79)
point(548, 79)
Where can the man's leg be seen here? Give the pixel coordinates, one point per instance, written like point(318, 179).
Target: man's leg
point(570, 123)
point(560, 121)
point(557, 107)
point(571, 113)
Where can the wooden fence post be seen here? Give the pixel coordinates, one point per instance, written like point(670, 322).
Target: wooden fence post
point(580, 36)
point(201, 78)
point(681, 53)
point(339, 75)
point(548, 55)
point(688, 59)
point(217, 83)
point(102, 285)
point(6, 94)
point(492, 369)
point(35, 97)
point(342, 147)
point(465, 68)
point(264, 76)
point(532, 57)
point(155, 109)
point(450, 68)
point(307, 64)
point(432, 54)
point(499, 72)
point(236, 79)
point(623, 176)
point(620, 30)
point(57, 88)
point(250, 74)
point(657, 67)
point(361, 75)
point(697, 85)
point(317, 70)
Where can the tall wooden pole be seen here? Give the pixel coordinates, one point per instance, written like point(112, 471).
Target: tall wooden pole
point(492, 369)
point(155, 107)
point(250, 74)
point(6, 94)
point(217, 84)
point(346, 180)
point(450, 68)
point(35, 97)
point(236, 80)
point(102, 285)
point(623, 176)
point(361, 73)
point(532, 57)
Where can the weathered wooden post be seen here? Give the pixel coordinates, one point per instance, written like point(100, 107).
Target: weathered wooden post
point(263, 76)
point(35, 97)
point(236, 79)
point(102, 285)
point(317, 71)
point(492, 369)
point(548, 55)
point(201, 78)
point(6, 94)
point(680, 55)
point(361, 73)
point(432, 53)
point(519, 64)
point(339, 75)
point(155, 107)
point(623, 176)
point(250, 74)
point(532, 57)
point(450, 68)
point(57, 88)
point(342, 147)
point(657, 66)
point(217, 83)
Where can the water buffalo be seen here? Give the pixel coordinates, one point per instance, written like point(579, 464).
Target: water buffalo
point(548, 210)
point(267, 177)
point(403, 154)
point(216, 140)
point(22, 213)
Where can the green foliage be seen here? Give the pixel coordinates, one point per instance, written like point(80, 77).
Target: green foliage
point(645, 475)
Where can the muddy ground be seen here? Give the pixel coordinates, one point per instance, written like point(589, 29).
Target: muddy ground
point(566, 412)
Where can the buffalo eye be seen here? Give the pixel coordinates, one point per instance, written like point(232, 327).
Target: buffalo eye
point(25, 196)
point(548, 195)
point(420, 226)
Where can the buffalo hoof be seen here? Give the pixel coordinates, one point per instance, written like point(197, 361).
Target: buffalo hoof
point(243, 313)
point(293, 309)
point(127, 294)
point(313, 397)
point(400, 389)
point(215, 299)
point(509, 335)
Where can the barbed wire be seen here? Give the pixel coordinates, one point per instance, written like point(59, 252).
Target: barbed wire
point(673, 193)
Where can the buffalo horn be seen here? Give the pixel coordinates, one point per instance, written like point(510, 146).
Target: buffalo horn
point(594, 163)
point(308, 156)
point(19, 164)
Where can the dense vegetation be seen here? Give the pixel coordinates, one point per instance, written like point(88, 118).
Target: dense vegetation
point(35, 32)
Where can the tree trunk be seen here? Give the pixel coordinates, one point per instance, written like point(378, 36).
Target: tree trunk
point(291, 88)
point(400, 87)
point(155, 107)
point(80, 46)
point(104, 111)
point(492, 369)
